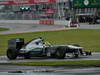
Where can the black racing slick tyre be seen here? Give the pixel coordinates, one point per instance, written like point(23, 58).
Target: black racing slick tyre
point(11, 54)
point(60, 53)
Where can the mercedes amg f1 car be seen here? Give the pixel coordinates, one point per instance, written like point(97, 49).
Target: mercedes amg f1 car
point(37, 48)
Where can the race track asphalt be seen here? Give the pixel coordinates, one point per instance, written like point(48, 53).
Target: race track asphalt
point(95, 56)
point(22, 28)
point(48, 70)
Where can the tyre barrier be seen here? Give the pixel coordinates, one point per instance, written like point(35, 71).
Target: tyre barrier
point(48, 22)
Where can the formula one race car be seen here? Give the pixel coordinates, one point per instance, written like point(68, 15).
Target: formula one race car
point(37, 48)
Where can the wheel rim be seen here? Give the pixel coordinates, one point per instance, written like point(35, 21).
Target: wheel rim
point(58, 53)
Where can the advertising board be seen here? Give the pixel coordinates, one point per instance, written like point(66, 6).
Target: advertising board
point(26, 2)
point(86, 3)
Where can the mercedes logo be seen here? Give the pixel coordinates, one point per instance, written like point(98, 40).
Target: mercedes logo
point(86, 2)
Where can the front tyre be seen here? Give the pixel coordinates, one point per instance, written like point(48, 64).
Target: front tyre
point(60, 53)
point(11, 54)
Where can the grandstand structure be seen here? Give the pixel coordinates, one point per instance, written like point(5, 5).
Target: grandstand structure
point(87, 10)
point(83, 10)
point(35, 9)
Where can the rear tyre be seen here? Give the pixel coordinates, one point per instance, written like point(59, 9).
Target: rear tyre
point(60, 53)
point(11, 54)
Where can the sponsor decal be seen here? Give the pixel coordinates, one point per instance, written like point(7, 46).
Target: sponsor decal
point(86, 2)
point(6, 2)
point(27, 1)
point(49, 11)
point(44, 1)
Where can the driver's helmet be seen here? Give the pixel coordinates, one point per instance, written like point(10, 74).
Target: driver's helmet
point(37, 43)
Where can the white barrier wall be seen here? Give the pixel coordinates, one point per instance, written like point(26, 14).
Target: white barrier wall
point(62, 0)
point(62, 22)
point(46, 22)
point(58, 22)
point(20, 21)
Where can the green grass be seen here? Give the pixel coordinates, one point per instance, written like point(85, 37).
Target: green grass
point(3, 29)
point(89, 39)
point(81, 63)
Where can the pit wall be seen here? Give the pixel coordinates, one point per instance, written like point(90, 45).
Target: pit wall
point(45, 22)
